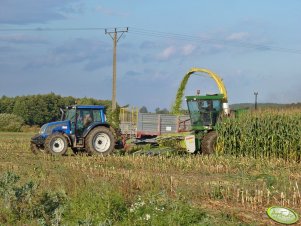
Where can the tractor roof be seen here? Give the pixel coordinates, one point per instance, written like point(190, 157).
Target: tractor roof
point(207, 97)
point(97, 107)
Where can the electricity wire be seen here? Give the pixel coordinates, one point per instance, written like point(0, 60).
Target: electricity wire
point(168, 35)
point(144, 32)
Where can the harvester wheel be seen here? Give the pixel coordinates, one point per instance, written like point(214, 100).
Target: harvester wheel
point(100, 141)
point(209, 143)
point(56, 144)
point(36, 150)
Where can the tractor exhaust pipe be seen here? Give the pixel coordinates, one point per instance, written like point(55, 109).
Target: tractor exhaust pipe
point(63, 114)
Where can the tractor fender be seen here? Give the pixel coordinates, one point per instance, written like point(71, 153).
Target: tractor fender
point(65, 135)
point(68, 139)
point(93, 125)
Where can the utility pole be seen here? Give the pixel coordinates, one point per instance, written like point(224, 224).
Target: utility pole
point(114, 35)
point(256, 94)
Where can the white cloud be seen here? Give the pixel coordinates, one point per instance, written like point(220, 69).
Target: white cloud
point(33, 11)
point(91, 53)
point(238, 36)
point(22, 39)
point(111, 12)
point(76, 8)
point(188, 49)
point(167, 53)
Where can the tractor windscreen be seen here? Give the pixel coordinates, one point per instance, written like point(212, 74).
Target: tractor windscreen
point(70, 115)
point(204, 112)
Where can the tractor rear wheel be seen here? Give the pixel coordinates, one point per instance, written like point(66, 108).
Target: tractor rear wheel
point(56, 144)
point(100, 141)
point(209, 143)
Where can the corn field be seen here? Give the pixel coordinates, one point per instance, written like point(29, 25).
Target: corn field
point(266, 133)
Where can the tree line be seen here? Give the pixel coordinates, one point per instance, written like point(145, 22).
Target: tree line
point(36, 110)
point(40, 109)
point(158, 110)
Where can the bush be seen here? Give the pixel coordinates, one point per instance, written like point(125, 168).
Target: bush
point(96, 207)
point(30, 129)
point(159, 209)
point(113, 117)
point(24, 203)
point(10, 123)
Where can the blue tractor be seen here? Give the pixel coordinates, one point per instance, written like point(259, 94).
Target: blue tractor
point(83, 128)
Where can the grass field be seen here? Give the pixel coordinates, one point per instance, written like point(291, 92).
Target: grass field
point(141, 190)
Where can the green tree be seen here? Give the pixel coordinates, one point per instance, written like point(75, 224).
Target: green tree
point(40, 109)
point(143, 109)
point(161, 111)
point(22, 108)
point(10, 123)
point(7, 104)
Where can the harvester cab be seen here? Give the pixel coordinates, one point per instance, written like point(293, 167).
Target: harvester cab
point(204, 111)
point(83, 128)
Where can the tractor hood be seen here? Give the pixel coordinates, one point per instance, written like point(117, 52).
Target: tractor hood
point(52, 127)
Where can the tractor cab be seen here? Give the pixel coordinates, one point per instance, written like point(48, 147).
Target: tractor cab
point(204, 111)
point(80, 117)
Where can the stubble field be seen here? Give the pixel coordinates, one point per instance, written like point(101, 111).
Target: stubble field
point(141, 190)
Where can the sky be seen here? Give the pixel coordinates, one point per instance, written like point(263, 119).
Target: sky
point(60, 46)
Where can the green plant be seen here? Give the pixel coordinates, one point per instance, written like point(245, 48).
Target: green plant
point(265, 133)
point(96, 206)
point(113, 117)
point(17, 198)
point(10, 123)
point(23, 202)
point(50, 207)
point(179, 97)
point(159, 209)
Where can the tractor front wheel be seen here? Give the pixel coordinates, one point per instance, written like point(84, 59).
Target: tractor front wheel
point(209, 143)
point(35, 149)
point(56, 144)
point(100, 141)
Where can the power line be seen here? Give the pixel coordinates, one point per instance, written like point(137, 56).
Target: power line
point(160, 34)
point(144, 32)
point(53, 29)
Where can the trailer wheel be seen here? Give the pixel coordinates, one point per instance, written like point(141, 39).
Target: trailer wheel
point(100, 141)
point(209, 143)
point(56, 144)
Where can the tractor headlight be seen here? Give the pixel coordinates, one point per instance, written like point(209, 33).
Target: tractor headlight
point(43, 128)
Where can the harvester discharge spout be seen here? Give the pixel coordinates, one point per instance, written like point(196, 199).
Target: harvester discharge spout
point(179, 97)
